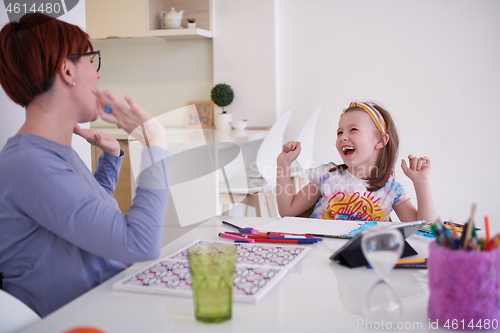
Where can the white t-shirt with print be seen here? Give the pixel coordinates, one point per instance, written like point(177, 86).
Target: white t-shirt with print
point(345, 197)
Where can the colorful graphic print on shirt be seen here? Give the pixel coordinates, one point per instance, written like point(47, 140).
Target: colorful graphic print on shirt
point(345, 197)
point(354, 206)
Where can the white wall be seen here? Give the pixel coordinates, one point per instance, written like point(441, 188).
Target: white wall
point(244, 58)
point(432, 63)
point(12, 116)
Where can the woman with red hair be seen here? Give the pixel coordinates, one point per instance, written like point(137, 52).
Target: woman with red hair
point(61, 231)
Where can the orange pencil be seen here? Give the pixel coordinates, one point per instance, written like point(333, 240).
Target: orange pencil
point(454, 230)
point(487, 227)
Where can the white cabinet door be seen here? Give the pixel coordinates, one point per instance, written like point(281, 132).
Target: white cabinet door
point(116, 18)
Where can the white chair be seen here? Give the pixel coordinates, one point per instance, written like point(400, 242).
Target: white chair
point(257, 192)
point(14, 314)
point(306, 159)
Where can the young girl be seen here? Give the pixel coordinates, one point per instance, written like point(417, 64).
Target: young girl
point(363, 188)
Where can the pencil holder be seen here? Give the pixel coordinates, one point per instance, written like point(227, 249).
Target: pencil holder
point(464, 288)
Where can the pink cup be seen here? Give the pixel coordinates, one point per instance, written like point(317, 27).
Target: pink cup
point(464, 288)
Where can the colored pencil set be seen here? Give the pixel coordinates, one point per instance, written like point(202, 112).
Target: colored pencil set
point(427, 228)
point(468, 240)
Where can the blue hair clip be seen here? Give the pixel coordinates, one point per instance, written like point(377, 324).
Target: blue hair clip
point(108, 110)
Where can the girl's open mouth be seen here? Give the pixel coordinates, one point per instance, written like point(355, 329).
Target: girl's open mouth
point(348, 150)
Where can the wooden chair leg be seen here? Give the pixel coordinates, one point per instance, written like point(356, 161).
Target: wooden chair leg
point(225, 210)
point(251, 202)
point(226, 201)
point(271, 204)
point(259, 201)
point(248, 210)
point(261, 204)
point(296, 184)
point(302, 183)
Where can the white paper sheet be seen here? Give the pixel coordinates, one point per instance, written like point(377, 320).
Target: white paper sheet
point(299, 225)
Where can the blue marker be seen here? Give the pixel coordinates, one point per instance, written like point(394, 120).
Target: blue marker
point(304, 240)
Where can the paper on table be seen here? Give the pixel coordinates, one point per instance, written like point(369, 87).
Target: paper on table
point(299, 225)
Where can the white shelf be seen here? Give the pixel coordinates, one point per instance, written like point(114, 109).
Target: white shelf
point(141, 18)
point(184, 33)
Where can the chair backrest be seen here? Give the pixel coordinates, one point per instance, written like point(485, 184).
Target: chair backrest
point(14, 314)
point(270, 148)
point(306, 139)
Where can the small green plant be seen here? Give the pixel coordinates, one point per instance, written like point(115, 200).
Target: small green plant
point(222, 95)
point(191, 20)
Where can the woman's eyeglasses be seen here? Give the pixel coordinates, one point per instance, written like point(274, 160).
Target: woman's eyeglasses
point(93, 60)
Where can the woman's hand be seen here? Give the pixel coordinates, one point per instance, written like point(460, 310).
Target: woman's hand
point(106, 142)
point(418, 170)
point(291, 150)
point(130, 117)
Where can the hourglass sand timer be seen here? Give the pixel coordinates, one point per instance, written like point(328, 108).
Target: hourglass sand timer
point(382, 248)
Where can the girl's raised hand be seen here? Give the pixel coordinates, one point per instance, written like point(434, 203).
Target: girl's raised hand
point(418, 169)
point(106, 142)
point(290, 152)
point(130, 117)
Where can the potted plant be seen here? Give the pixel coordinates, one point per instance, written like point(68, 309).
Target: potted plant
point(222, 95)
point(191, 23)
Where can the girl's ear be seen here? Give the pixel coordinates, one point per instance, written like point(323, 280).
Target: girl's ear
point(384, 139)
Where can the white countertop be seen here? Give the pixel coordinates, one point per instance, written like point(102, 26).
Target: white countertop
point(197, 135)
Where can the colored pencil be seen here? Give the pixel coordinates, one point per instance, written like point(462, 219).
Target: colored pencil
point(487, 227)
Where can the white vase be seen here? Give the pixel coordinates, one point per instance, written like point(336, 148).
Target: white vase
point(222, 121)
point(191, 25)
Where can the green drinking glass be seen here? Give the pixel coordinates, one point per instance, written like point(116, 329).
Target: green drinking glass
point(212, 274)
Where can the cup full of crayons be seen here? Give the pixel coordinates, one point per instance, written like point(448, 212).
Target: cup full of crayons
point(464, 278)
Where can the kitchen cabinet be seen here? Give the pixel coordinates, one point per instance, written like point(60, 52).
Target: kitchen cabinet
point(141, 18)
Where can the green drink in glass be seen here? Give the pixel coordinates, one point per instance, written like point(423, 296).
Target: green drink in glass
point(212, 275)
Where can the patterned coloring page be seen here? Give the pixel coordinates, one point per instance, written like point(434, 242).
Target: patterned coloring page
point(258, 269)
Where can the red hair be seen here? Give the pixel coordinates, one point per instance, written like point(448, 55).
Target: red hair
point(31, 52)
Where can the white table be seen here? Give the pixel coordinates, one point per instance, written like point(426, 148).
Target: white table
point(316, 295)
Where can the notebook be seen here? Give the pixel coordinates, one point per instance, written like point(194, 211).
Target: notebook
point(301, 225)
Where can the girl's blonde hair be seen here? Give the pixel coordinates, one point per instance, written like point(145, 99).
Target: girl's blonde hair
point(386, 160)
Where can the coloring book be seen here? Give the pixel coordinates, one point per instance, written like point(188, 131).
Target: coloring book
point(258, 268)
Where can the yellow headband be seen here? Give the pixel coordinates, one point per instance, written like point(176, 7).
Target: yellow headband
point(377, 118)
